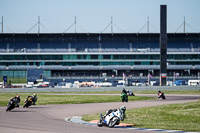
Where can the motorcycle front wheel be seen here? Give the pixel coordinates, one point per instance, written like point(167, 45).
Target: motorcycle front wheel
point(113, 122)
point(25, 105)
point(8, 108)
point(100, 124)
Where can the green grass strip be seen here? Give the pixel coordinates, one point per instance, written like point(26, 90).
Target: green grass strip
point(15, 80)
point(185, 117)
point(45, 98)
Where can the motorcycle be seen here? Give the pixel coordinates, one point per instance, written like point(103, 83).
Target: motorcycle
point(111, 119)
point(34, 100)
point(130, 93)
point(161, 96)
point(11, 105)
point(124, 97)
point(28, 102)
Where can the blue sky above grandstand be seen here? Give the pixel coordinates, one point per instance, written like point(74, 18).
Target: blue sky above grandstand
point(93, 16)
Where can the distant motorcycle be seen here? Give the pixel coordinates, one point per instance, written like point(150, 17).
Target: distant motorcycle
point(28, 102)
point(11, 105)
point(111, 119)
point(130, 93)
point(124, 97)
point(161, 95)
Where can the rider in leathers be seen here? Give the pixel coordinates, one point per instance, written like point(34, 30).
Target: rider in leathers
point(122, 110)
point(16, 100)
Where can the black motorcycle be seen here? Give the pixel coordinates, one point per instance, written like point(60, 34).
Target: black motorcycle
point(161, 96)
point(28, 102)
point(11, 105)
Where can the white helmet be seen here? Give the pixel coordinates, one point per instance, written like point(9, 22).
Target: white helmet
point(123, 108)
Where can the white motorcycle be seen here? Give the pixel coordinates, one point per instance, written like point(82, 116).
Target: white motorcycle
point(111, 119)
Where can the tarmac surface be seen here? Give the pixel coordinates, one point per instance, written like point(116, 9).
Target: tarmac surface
point(51, 118)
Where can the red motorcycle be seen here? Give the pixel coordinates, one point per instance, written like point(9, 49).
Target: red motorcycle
point(161, 95)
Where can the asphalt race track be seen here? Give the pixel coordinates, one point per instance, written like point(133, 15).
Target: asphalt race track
point(51, 118)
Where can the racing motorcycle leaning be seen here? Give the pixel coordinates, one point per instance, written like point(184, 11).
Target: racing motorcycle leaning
point(124, 97)
point(30, 100)
point(161, 95)
point(112, 118)
point(11, 105)
point(14, 102)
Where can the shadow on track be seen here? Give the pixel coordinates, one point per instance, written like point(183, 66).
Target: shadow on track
point(17, 111)
point(37, 107)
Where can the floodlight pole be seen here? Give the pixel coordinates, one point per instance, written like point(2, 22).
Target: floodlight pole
point(184, 28)
point(75, 23)
point(148, 24)
point(2, 25)
point(111, 24)
point(38, 24)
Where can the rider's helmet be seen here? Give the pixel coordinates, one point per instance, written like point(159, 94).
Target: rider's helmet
point(159, 91)
point(34, 95)
point(123, 108)
point(17, 96)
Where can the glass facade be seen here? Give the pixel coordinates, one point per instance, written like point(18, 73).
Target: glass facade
point(101, 57)
point(13, 74)
point(17, 51)
point(47, 73)
point(98, 60)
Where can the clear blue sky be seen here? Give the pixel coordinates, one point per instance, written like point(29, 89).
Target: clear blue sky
point(94, 15)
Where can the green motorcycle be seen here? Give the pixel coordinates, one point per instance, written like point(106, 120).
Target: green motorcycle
point(124, 97)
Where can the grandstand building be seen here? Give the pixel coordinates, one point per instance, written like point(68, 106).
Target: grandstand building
point(96, 55)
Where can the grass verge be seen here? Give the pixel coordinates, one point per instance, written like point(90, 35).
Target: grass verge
point(16, 80)
point(44, 98)
point(184, 117)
